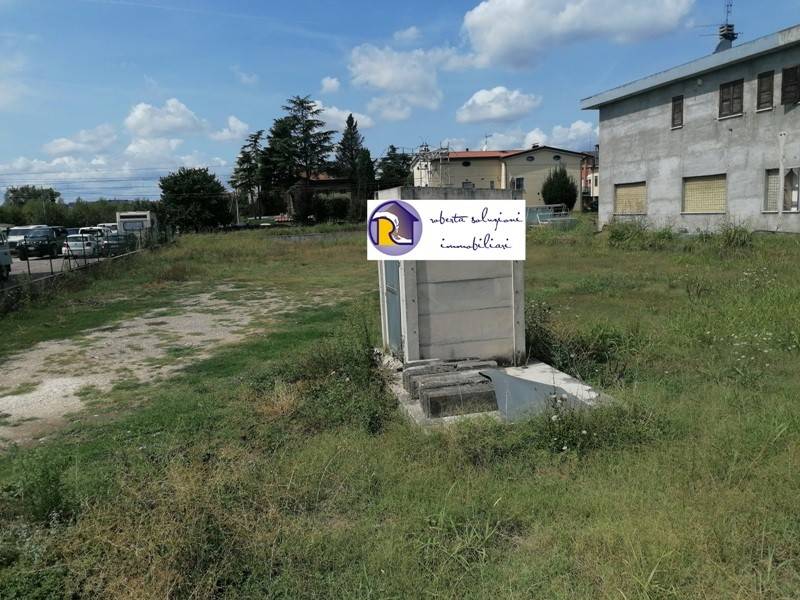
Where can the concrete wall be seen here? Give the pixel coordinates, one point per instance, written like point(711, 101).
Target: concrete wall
point(457, 309)
point(637, 143)
point(536, 171)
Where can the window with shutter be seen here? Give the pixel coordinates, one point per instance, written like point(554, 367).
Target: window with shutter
point(790, 85)
point(630, 198)
point(731, 98)
point(766, 86)
point(677, 112)
point(705, 194)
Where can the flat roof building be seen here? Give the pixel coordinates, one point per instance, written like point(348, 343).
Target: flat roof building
point(714, 139)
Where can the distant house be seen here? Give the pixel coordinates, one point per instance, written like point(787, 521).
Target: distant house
point(714, 139)
point(520, 170)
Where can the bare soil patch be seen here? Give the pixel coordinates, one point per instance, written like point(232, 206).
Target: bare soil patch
point(145, 348)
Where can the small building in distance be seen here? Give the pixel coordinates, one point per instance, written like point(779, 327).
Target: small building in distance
point(522, 171)
point(712, 140)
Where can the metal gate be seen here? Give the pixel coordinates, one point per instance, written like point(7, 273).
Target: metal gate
point(392, 278)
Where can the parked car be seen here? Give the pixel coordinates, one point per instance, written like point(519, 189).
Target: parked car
point(82, 245)
point(41, 241)
point(117, 243)
point(100, 233)
point(5, 258)
point(16, 235)
point(111, 226)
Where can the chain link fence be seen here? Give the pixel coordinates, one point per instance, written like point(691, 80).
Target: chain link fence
point(34, 277)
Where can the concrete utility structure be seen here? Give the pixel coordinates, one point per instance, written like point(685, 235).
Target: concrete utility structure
point(717, 138)
point(522, 171)
point(452, 310)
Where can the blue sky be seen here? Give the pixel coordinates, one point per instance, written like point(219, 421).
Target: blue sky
point(100, 96)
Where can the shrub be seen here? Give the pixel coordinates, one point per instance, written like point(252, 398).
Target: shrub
point(734, 237)
point(560, 188)
point(627, 234)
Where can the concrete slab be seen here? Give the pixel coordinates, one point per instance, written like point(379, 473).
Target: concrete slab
point(525, 391)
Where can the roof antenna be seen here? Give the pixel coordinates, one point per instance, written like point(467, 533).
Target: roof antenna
point(485, 142)
point(727, 32)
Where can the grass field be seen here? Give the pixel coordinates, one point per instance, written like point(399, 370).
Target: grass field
point(279, 467)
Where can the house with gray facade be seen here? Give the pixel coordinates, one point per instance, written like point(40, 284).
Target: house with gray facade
point(712, 140)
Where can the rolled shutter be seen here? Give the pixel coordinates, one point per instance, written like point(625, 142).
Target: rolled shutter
point(630, 198)
point(705, 194)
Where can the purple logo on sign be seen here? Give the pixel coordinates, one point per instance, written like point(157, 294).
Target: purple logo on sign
point(395, 228)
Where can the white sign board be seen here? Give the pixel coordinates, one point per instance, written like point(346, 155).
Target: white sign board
point(446, 229)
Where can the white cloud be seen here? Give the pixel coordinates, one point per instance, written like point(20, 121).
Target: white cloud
point(244, 77)
point(86, 141)
point(580, 135)
point(389, 108)
point(535, 137)
point(146, 120)
point(335, 118)
point(329, 85)
point(408, 35)
point(408, 79)
point(497, 104)
point(513, 32)
point(152, 149)
point(510, 140)
point(235, 131)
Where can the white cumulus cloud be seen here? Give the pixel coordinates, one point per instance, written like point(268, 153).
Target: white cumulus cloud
point(235, 131)
point(152, 149)
point(580, 135)
point(407, 35)
point(86, 141)
point(514, 32)
point(335, 118)
point(329, 85)
point(497, 104)
point(407, 79)
point(146, 120)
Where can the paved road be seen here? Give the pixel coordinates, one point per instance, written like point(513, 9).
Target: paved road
point(42, 267)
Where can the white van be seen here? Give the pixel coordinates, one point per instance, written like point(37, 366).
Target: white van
point(16, 235)
point(111, 226)
point(5, 257)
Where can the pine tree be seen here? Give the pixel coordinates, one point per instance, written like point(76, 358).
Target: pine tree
point(313, 144)
point(394, 169)
point(348, 149)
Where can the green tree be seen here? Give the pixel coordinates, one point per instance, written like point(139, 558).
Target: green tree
point(312, 143)
point(560, 188)
point(245, 178)
point(195, 199)
point(17, 196)
point(279, 170)
point(394, 169)
point(310, 146)
point(348, 150)
point(364, 185)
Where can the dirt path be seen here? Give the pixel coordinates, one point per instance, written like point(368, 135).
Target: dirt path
point(44, 384)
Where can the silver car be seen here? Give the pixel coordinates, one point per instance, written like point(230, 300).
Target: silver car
point(81, 245)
